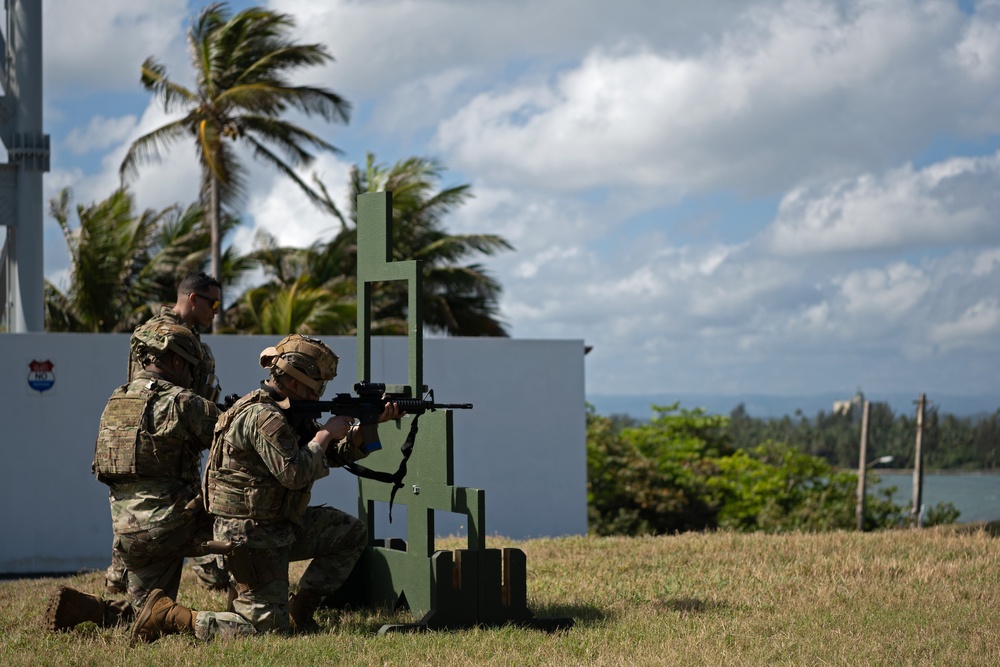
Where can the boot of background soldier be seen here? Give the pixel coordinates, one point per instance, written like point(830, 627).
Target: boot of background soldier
point(301, 608)
point(68, 608)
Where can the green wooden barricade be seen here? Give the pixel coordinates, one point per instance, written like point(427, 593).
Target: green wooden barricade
point(442, 589)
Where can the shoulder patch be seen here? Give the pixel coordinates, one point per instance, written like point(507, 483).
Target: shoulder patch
point(275, 431)
point(270, 423)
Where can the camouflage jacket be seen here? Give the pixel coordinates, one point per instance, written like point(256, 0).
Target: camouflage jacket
point(204, 383)
point(152, 480)
point(260, 471)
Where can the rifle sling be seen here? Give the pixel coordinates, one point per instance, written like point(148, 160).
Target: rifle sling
point(396, 478)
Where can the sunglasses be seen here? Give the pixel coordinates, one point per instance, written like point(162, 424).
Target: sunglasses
point(215, 302)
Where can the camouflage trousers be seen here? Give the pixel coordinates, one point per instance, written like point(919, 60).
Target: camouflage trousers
point(334, 540)
point(154, 558)
point(209, 569)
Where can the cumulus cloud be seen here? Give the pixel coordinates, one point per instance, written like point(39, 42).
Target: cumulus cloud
point(100, 133)
point(947, 203)
point(282, 209)
point(384, 44)
point(978, 323)
point(801, 91)
point(89, 47)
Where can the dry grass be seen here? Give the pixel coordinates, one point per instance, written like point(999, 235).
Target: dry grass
point(911, 597)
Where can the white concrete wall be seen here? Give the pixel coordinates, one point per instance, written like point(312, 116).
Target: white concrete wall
point(524, 442)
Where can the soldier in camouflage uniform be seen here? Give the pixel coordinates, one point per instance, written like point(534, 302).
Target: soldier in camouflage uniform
point(148, 451)
point(257, 484)
point(198, 299)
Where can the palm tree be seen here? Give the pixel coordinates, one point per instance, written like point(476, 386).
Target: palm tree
point(123, 265)
point(459, 300)
point(301, 296)
point(241, 66)
point(114, 267)
point(181, 246)
point(296, 308)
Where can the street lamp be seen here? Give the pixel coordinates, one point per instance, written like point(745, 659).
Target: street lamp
point(863, 469)
point(881, 459)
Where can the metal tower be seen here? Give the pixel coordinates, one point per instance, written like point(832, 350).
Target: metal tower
point(21, 197)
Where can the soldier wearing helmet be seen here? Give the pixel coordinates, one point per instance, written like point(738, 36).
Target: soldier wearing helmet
point(257, 484)
point(199, 297)
point(148, 452)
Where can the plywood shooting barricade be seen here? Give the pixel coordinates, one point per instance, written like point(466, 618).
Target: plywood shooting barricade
point(464, 588)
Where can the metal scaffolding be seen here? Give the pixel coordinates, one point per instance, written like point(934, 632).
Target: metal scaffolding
point(21, 196)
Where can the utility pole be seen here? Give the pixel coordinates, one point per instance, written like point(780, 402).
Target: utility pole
point(863, 467)
point(918, 466)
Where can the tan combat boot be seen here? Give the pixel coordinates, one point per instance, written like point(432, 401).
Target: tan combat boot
point(162, 616)
point(301, 608)
point(68, 608)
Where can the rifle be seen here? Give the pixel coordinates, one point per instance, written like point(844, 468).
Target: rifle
point(367, 407)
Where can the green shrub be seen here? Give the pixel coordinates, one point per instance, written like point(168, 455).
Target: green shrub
point(679, 473)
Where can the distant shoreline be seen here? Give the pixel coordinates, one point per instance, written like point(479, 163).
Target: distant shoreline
point(936, 471)
point(764, 406)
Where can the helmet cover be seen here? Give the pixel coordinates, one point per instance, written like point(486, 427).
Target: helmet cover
point(166, 337)
point(308, 360)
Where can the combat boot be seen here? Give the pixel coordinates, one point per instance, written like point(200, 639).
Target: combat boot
point(68, 608)
point(162, 616)
point(301, 608)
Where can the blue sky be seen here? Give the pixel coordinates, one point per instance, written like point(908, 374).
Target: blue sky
point(722, 197)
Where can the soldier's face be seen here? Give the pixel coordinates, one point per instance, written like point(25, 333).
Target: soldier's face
point(186, 376)
point(201, 305)
point(179, 371)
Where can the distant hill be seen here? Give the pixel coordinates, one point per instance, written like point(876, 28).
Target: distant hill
point(764, 406)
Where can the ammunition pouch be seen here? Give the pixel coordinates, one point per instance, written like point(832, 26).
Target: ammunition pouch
point(235, 498)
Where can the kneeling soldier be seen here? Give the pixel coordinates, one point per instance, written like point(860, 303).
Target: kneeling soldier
point(258, 478)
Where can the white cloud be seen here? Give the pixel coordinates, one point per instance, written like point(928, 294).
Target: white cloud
point(883, 293)
point(787, 94)
point(281, 208)
point(978, 324)
point(100, 134)
point(381, 45)
point(951, 202)
point(89, 46)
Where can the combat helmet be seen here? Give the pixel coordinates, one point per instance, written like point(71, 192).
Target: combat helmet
point(308, 360)
point(164, 337)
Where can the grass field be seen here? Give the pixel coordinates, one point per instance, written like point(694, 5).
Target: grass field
point(906, 597)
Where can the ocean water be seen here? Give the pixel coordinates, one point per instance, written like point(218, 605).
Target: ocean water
point(975, 494)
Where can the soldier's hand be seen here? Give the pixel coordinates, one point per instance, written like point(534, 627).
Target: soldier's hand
point(336, 427)
point(390, 412)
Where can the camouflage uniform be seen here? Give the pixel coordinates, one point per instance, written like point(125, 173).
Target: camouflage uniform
point(257, 484)
point(148, 452)
point(204, 383)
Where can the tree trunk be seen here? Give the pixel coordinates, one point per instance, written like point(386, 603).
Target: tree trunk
point(215, 240)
